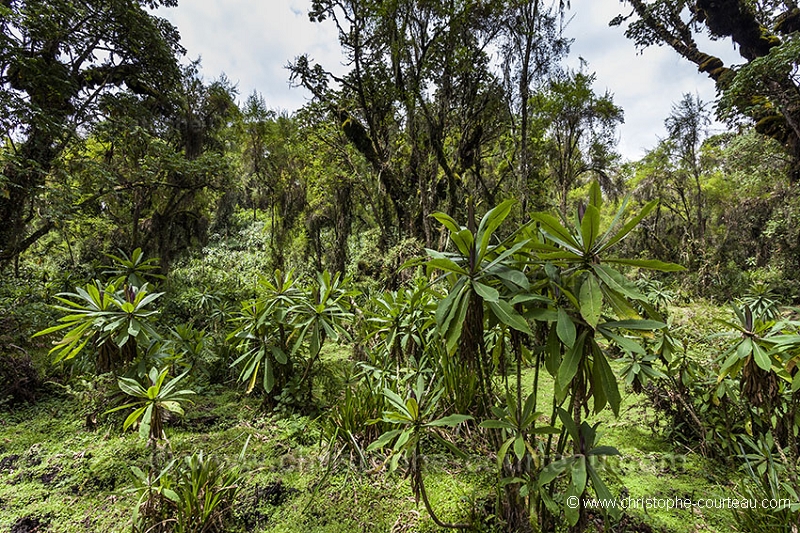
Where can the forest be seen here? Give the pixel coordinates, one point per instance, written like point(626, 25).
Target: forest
point(435, 297)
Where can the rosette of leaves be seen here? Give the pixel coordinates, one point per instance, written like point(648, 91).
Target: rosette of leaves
point(320, 313)
point(751, 356)
point(593, 299)
point(578, 471)
point(133, 270)
point(415, 417)
point(153, 399)
point(517, 423)
point(264, 327)
point(482, 275)
point(585, 277)
point(112, 321)
point(401, 323)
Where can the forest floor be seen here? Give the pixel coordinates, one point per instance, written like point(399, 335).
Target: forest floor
point(60, 471)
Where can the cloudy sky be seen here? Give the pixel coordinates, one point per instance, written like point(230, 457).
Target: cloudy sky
point(252, 41)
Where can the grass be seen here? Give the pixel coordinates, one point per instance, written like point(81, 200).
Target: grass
point(63, 475)
point(56, 471)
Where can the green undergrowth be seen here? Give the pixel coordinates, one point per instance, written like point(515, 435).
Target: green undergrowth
point(56, 472)
point(649, 466)
point(58, 475)
point(63, 470)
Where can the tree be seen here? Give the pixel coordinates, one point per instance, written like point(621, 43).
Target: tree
point(58, 60)
point(532, 46)
point(157, 171)
point(254, 126)
point(580, 131)
point(421, 103)
point(687, 128)
point(766, 89)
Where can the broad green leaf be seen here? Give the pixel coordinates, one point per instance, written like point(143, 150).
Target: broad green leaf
point(590, 228)
point(565, 328)
point(519, 447)
point(509, 316)
point(172, 407)
point(133, 417)
point(402, 440)
point(608, 240)
point(553, 355)
point(744, 348)
point(579, 475)
point(450, 446)
point(147, 418)
point(445, 264)
point(617, 282)
point(570, 363)
point(447, 221)
point(761, 358)
point(591, 299)
point(555, 231)
point(52, 329)
point(512, 276)
point(144, 301)
point(453, 334)
point(501, 453)
point(623, 342)
point(446, 308)
point(603, 451)
point(496, 424)
point(619, 304)
point(451, 420)
point(131, 387)
point(384, 439)
point(489, 294)
point(595, 195)
point(279, 355)
point(643, 325)
point(490, 222)
point(650, 264)
point(571, 512)
point(608, 379)
point(552, 471)
point(269, 376)
point(396, 400)
point(413, 408)
point(602, 492)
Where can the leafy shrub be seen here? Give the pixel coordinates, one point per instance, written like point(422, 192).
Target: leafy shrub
point(192, 495)
point(152, 401)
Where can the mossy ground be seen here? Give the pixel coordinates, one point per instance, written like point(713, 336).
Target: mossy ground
point(66, 476)
point(56, 471)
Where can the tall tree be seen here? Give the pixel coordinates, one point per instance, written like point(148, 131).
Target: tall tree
point(687, 127)
point(532, 46)
point(677, 172)
point(157, 171)
point(57, 59)
point(766, 88)
point(581, 132)
point(420, 103)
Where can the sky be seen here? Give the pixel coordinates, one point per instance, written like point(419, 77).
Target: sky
point(252, 41)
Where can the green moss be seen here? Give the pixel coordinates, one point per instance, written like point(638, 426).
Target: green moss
point(54, 469)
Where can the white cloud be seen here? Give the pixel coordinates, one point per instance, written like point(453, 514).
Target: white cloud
point(251, 41)
point(645, 84)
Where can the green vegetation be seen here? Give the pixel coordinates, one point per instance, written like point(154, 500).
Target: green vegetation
point(433, 298)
